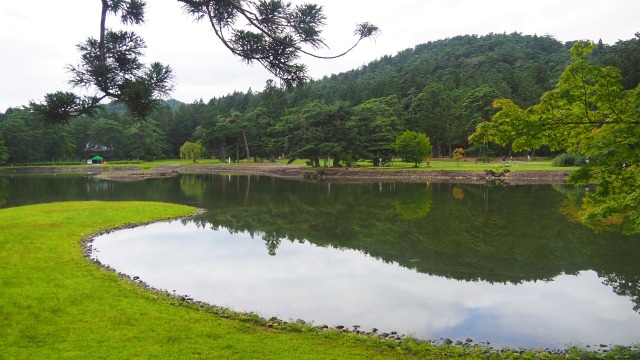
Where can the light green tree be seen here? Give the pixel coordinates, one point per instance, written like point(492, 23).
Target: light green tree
point(587, 113)
point(191, 150)
point(413, 147)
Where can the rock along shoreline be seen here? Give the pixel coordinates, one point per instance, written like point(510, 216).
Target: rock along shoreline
point(391, 338)
point(298, 172)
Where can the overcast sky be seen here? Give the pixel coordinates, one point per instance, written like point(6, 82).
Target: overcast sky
point(38, 37)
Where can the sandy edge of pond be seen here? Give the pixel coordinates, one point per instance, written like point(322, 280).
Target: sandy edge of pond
point(301, 172)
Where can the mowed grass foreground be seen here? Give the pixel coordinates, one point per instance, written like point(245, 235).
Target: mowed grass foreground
point(54, 303)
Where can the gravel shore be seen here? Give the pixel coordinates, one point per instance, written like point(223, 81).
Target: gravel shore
point(133, 173)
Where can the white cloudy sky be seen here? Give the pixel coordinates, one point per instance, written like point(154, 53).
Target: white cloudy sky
point(38, 37)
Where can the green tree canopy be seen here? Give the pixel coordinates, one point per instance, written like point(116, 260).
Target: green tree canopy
point(28, 141)
point(413, 147)
point(144, 140)
point(4, 152)
point(436, 114)
point(315, 131)
point(190, 150)
point(375, 125)
point(587, 113)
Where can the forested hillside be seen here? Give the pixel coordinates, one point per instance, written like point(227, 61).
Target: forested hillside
point(442, 88)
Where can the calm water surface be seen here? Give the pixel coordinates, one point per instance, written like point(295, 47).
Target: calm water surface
point(499, 264)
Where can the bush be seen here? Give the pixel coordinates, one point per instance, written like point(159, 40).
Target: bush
point(569, 160)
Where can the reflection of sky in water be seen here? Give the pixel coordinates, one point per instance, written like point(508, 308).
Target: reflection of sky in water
point(334, 287)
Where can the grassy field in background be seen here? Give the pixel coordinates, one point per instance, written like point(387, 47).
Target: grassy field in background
point(438, 164)
point(544, 165)
point(435, 164)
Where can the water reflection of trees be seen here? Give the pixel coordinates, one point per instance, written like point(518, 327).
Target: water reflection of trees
point(191, 185)
point(30, 189)
point(414, 204)
point(497, 234)
point(272, 241)
point(625, 286)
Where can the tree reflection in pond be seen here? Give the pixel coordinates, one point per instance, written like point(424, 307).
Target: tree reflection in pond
point(413, 204)
point(499, 234)
point(480, 234)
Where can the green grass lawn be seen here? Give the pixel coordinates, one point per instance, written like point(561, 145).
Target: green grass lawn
point(542, 165)
point(396, 165)
point(54, 303)
point(173, 162)
point(436, 164)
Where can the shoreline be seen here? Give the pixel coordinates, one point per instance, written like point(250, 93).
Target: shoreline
point(301, 172)
point(184, 300)
point(393, 339)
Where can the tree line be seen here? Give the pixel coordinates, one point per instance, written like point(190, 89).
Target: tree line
point(443, 89)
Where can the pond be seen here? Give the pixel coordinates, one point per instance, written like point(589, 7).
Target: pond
point(500, 264)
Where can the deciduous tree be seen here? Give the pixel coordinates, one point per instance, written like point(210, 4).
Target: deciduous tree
point(587, 113)
point(191, 150)
point(413, 147)
point(458, 154)
point(144, 140)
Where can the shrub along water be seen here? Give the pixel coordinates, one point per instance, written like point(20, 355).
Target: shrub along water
point(565, 159)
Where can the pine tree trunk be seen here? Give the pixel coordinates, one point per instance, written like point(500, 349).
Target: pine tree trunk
point(246, 146)
point(336, 160)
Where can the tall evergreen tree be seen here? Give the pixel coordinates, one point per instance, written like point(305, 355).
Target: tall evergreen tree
point(4, 152)
point(111, 65)
point(375, 125)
